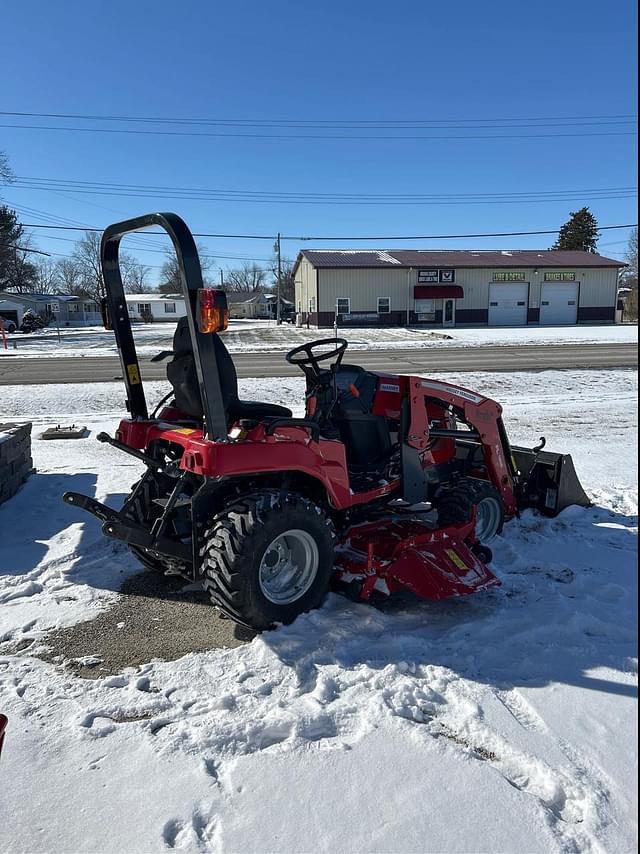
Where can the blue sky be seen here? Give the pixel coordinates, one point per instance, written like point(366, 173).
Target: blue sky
point(460, 66)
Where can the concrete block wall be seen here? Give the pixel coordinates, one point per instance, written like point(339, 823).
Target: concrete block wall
point(15, 458)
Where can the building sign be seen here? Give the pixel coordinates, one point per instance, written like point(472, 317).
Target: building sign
point(432, 277)
point(427, 276)
point(559, 277)
point(361, 317)
point(509, 276)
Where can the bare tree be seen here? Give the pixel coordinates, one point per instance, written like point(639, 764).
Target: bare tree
point(170, 271)
point(629, 276)
point(248, 279)
point(70, 277)
point(631, 256)
point(170, 275)
point(137, 280)
point(47, 276)
point(6, 173)
point(87, 257)
point(287, 285)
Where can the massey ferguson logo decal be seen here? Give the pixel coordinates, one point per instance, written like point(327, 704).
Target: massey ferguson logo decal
point(452, 389)
point(389, 387)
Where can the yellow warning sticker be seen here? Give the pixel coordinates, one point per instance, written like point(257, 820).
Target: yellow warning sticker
point(134, 374)
point(455, 557)
point(185, 431)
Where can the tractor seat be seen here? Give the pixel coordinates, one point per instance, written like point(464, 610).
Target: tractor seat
point(181, 373)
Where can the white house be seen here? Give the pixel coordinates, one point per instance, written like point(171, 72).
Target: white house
point(161, 307)
point(258, 307)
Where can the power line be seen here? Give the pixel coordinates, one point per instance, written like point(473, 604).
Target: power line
point(341, 239)
point(455, 236)
point(59, 185)
point(26, 249)
point(160, 266)
point(387, 138)
point(215, 257)
point(320, 123)
point(75, 183)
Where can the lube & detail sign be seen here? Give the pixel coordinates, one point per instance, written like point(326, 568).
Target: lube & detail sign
point(509, 276)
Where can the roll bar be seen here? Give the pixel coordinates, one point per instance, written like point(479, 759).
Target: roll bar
point(215, 423)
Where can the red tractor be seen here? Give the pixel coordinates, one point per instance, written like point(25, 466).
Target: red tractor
point(387, 482)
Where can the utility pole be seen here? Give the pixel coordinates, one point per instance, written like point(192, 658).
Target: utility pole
point(221, 278)
point(276, 249)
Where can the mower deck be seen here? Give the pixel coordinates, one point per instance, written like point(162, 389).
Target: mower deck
point(398, 554)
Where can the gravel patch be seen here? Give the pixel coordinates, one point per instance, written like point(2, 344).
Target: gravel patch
point(155, 617)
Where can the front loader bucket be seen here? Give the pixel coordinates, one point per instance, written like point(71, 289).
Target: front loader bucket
point(549, 481)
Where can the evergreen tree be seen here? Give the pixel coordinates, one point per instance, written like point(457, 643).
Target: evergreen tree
point(580, 232)
point(10, 233)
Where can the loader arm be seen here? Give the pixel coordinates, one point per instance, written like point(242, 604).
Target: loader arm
point(480, 413)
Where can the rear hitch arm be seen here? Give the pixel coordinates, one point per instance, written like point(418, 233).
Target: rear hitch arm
point(96, 508)
point(119, 527)
point(139, 455)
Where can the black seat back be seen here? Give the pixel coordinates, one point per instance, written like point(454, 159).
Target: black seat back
point(366, 439)
point(181, 373)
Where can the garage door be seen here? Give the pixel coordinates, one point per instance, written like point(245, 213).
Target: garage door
point(10, 315)
point(508, 304)
point(559, 303)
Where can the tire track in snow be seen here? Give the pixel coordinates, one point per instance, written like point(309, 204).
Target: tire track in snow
point(589, 779)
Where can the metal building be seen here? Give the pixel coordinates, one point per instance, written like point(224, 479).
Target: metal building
point(455, 287)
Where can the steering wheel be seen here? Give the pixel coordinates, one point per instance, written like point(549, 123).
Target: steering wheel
point(305, 357)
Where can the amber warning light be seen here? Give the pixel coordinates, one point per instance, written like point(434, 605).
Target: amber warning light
point(213, 314)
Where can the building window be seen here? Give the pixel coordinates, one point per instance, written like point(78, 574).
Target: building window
point(384, 305)
point(88, 307)
point(169, 308)
point(52, 308)
point(343, 305)
point(144, 307)
point(74, 308)
point(425, 310)
point(312, 305)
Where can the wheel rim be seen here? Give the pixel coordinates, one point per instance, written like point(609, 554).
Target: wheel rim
point(288, 567)
point(488, 517)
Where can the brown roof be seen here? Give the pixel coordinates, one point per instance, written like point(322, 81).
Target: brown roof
point(456, 258)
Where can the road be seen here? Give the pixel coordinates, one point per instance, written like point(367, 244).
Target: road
point(17, 370)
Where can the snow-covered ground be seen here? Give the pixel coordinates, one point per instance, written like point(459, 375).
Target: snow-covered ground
point(500, 722)
point(244, 335)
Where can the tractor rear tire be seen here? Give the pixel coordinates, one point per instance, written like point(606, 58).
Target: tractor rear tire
point(456, 502)
point(268, 558)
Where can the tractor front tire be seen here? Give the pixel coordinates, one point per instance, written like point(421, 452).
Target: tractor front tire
point(456, 502)
point(268, 558)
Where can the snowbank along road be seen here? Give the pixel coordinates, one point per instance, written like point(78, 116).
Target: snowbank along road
point(16, 369)
point(500, 722)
